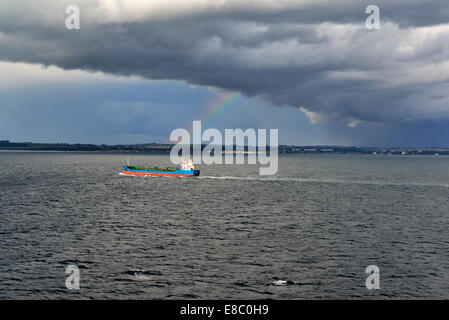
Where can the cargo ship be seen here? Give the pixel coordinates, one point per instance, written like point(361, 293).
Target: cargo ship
point(184, 170)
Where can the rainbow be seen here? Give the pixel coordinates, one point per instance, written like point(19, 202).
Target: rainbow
point(217, 106)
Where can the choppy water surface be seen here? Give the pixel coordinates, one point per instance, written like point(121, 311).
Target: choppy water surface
point(308, 232)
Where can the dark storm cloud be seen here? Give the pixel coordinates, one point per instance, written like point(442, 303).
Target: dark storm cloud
point(313, 55)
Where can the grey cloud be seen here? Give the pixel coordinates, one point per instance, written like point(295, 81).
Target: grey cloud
point(319, 58)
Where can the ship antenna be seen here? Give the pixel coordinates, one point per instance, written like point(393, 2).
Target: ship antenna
point(127, 161)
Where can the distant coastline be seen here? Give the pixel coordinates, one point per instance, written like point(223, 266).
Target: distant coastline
point(6, 145)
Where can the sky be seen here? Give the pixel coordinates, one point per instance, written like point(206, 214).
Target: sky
point(136, 70)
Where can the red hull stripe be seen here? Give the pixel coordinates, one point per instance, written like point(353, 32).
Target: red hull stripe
point(128, 173)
